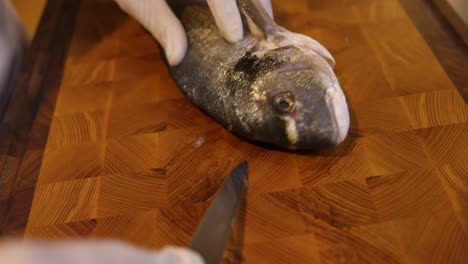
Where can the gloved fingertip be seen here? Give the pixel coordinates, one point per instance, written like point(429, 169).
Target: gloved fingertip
point(175, 41)
point(175, 49)
point(172, 254)
point(228, 19)
point(234, 35)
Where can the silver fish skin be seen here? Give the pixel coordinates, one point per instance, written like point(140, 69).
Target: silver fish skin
point(273, 87)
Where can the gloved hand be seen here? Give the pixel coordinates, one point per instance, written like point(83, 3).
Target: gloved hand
point(157, 17)
point(91, 252)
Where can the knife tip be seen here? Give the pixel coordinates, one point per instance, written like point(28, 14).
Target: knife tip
point(244, 166)
point(241, 171)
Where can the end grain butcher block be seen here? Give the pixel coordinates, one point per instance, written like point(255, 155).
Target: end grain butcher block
point(116, 151)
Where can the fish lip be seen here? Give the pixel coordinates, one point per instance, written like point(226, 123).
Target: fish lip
point(335, 135)
point(340, 129)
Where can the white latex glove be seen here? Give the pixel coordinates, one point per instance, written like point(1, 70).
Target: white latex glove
point(157, 17)
point(91, 252)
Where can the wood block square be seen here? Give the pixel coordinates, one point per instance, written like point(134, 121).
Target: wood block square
point(73, 230)
point(153, 88)
point(128, 68)
point(346, 162)
point(335, 38)
point(417, 78)
point(41, 127)
point(90, 44)
point(107, 18)
point(153, 117)
point(178, 224)
point(183, 114)
point(429, 237)
point(72, 162)
point(436, 108)
point(6, 136)
point(342, 245)
point(133, 228)
point(197, 170)
point(65, 202)
point(435, 236)
point(143, 45)
point(30, 169)
point(370, 12)
point(88, 73)
point(272, 171)
point(455, 181)
point(128, 193)
point(379, 116)
point(336, 29)
point(136, 119)
point(296, 249)
point(340, 204)
point(407, 194)
point(400, 45)
point(132, 154)
point(3, 157)
point(17, 207)
point(128, 27)
point(384, 153)
point(84, 98)
point(143, 90)
point(447, 144)
point(176, 144)
point(385, 238)
point(272, 216)
point(78, 128)
point(359, 72)
point(98, 18)
point(10, 166)
point(165, 149)
point(334, 14)
point(4, 205)
point(152, 229)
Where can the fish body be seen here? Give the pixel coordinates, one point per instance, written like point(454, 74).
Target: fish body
point(278, 88)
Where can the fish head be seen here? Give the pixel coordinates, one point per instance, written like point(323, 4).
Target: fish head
point(304, 106)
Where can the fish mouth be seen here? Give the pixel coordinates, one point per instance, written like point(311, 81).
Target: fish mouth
point(339, 116)
point(338, 122)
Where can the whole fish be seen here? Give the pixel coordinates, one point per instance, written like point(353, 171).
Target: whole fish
point(274, 87)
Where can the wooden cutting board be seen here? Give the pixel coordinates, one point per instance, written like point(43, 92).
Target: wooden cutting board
point(113, 149)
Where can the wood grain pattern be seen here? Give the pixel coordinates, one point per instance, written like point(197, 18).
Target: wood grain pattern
point(128, 157)
point(28, 114)
point(447, 45)
point(457, 14)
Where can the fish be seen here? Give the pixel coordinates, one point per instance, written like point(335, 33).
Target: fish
point(274, 87)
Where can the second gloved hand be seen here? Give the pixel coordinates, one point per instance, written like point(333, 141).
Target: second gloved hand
point(157, 17)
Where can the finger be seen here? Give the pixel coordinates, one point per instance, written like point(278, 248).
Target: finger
point(173, 254)
point(227, 18)
point(157, 17)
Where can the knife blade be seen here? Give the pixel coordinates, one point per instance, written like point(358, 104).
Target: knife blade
point(212, 234)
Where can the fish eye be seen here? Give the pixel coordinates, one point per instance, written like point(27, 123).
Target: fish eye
point(285, 103)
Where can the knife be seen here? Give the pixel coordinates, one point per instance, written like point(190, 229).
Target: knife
point(212, 235)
